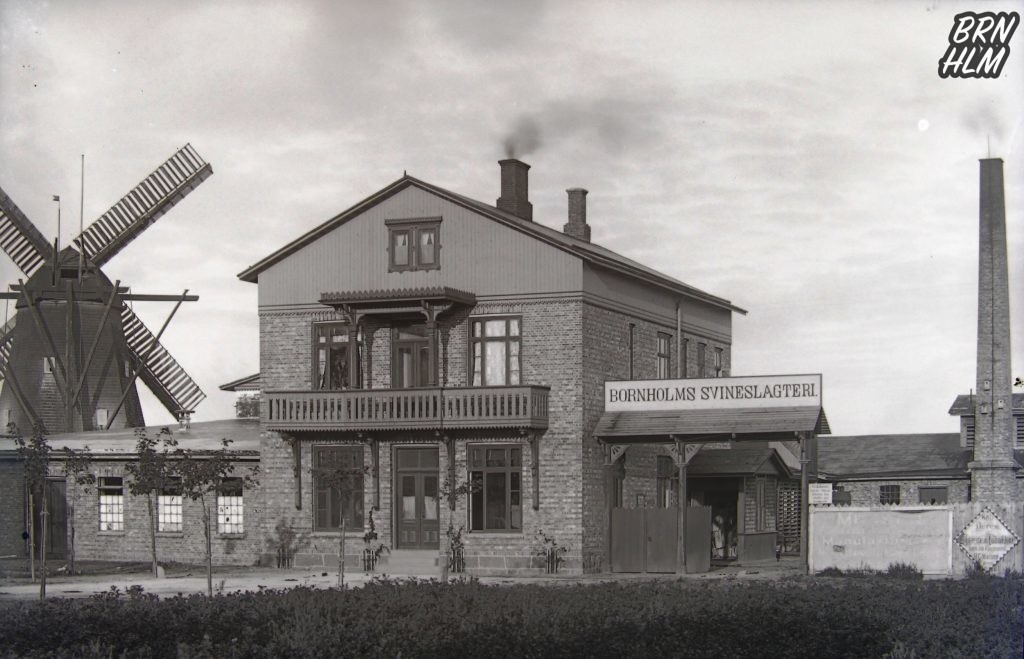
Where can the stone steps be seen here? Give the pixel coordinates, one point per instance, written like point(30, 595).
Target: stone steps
point(409, 562)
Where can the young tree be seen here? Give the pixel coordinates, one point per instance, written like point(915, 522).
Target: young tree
point(78, 472)
point(347, 482)
point(203, 474)
point(35, 454)
point(150, 473)
point(451, 491)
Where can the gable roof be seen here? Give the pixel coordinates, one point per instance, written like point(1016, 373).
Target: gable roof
point(589, 252)
point(964, 404)
point(248, 383)
point(738, 460)
point(936, 455)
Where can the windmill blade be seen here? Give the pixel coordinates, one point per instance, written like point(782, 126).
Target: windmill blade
point(6, 336)
point(164, 376)
point(146, 202)
point(20, 238)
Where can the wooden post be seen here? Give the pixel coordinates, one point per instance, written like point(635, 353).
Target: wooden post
point(69, 354)
point(31, 517)
point(341, 556)
point(681, 502)
point(42, 546)
point(804, 489)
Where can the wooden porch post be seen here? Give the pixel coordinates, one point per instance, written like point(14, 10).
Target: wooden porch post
point(354, 379)
point(804, 488)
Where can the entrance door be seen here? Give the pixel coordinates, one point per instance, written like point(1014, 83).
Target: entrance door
point(417, 503)
point(410, 361)
point(56, 518)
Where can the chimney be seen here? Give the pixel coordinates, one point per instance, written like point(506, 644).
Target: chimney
point(992, 471)
point(515, 191)
point(577, 226)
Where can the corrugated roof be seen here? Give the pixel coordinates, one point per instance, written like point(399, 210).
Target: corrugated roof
point(738, 460)
point(964, 404)
point(710, 425)
point(590, 252)
point(398, 295)
point(202, 436)
point(895, 456)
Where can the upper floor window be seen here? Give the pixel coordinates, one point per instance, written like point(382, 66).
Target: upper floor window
point(684, 359)
point(331, 364)
point(718, 362)
point(494, 345)
point(702, 359)
point(414, 244)
point(632, 347)
point(664, 356)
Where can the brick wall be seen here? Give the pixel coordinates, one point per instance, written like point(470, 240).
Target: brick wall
point(866, 493)
point(12, 512)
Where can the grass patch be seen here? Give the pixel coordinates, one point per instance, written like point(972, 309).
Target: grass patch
point(798, 617)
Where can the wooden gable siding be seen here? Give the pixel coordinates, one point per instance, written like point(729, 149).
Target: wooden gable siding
point(477, 255)
point(698, 317)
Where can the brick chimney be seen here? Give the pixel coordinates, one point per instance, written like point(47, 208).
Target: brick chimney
point(577, 226)
point(515, 190)
point(992, 470)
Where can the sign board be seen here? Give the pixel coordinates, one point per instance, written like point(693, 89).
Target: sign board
point(851, 538)
point(819, 493)
point(763, 391)
point(986, 539)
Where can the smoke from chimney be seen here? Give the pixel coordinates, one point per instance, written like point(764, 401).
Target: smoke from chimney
point(524, 139)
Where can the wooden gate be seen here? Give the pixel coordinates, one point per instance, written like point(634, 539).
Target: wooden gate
point(644, 539)
point(698, 539)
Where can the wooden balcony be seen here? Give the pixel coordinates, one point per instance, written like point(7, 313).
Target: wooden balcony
point(429, 408)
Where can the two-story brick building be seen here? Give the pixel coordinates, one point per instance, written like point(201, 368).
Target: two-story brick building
point(421, 338)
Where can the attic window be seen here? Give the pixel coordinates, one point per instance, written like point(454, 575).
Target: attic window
point(414, 244)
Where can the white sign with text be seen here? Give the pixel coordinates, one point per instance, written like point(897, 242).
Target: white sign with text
point(762, 391)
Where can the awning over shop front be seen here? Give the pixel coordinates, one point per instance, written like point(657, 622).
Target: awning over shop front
point(711, 425)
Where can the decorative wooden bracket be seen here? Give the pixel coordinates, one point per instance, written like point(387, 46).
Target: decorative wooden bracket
point(616, 451)
point(681, 452)
point(533, 437)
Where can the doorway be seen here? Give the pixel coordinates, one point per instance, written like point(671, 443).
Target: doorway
point(722, 496)
point(410, 359)
point(417, 503)
point(56, 520)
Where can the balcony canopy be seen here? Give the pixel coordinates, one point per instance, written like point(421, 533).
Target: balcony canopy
point(398, 301)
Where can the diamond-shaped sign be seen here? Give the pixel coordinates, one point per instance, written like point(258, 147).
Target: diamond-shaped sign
point(987, 539)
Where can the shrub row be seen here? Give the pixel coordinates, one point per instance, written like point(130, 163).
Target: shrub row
point(801, 617)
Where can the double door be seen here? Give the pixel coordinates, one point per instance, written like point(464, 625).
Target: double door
point(417, 499)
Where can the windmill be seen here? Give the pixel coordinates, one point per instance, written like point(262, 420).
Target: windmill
point(72, 352)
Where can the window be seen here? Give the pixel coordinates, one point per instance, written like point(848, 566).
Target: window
point(933, 495)
point(664, 356)
point(168, 507)
point(702, 350)
point(331, 357)
point(111, 490)
point(686, 361)
point(101, 418)
point(761, 503)
point(410, 357)
point(414, 244)
point(47, 366)
point(840, 497)
point(495, 502)
point(338, 483)
point(668, 482)
point(229, 506)
point(718, 362)
point(888, 494)
point(631, 344)
point(494, 345)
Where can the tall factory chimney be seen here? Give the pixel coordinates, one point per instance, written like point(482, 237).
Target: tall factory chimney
point(992, 469)
point(515, 189)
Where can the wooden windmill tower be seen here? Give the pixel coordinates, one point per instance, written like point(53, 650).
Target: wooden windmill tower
point(72, 352)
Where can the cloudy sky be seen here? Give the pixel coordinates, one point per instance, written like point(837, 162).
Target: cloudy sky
point(804, 161)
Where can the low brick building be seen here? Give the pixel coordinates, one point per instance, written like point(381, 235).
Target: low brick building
point(112, 524)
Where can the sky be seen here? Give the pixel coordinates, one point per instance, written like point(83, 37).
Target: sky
point(803, 160)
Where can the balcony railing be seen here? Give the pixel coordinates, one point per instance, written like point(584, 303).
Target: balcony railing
point(430, 408)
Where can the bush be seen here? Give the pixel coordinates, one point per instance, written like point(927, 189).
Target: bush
point(800, 617)
point(904, 571)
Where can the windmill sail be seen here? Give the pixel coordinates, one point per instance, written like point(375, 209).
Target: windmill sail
point(146, 202)
point(161, 373)
point(20, 238)
point(6, 334)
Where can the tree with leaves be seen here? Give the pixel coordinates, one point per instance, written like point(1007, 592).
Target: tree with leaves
point(151, 473)
point(80, 479)
point(35, 454)
point(203, 475)
point(451, 491)
point(346, 480)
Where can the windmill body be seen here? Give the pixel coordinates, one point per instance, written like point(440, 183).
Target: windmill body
point(71, 355)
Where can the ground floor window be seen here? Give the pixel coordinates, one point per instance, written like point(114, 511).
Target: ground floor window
point(888, 494)
point(229, 506)
point(495, 475)
point(338, 484)
point(933, 494)
point(111, 490)
point(168, 507)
